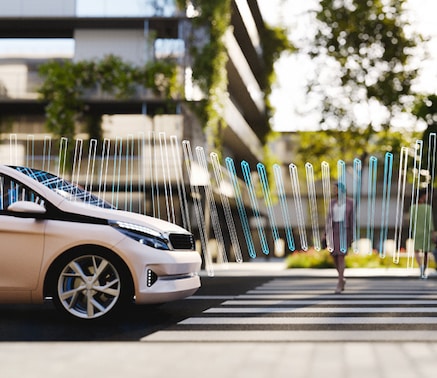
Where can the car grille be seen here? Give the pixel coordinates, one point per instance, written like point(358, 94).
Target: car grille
point(182, 241)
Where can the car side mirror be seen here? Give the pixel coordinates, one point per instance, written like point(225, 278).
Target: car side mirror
point(26, 207)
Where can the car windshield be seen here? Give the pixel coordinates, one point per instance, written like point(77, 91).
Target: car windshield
point(64, 188)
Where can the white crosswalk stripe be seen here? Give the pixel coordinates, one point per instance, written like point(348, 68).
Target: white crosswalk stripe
point(307, 310)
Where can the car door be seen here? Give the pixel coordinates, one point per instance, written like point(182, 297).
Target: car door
point(21, 237)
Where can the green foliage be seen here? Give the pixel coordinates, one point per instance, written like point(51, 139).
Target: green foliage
point(209, 67)
point(366, 43)
point(310, 259)
point(332, 145)
point(66, 83)
point(210, 59)
point(426, 108)
point(322, 260)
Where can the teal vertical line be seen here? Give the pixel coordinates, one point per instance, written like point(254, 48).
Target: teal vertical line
point(388, 168)
point(341, 167)
point(284, 207)
point(268, 199)
point(371, 195)
point(240, 206)
point(255, 209)
point(357, 202)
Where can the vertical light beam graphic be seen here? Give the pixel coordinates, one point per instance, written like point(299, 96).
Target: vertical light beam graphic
point(92, 150)
point(201, 159)
point(268, 199)
point(312, 199)
point(400, 200)
point(342, 194)
point(284, 206)
point(371, 196)
point(388, 169)
point(13, 150)
point(298, 205)
point(418, 151)
point(180, 183)
point(219, 179)
point(326, 185)
point(117, 171)
point(104, 164)
point(357, 181)
point(255, 208)
point(47, 150)
point(240, 206)
point(197, 198)
point(30, 151)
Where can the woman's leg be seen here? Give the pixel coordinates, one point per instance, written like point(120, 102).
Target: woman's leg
point(340, 266)
point(422, 261)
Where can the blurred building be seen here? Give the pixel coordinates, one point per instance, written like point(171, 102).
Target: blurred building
point(138, 32)
point(33, 32)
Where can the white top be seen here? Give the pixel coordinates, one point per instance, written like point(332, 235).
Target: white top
point(338, 212)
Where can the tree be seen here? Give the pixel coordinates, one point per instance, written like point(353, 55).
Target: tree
point(364, 75)
point(425, 109)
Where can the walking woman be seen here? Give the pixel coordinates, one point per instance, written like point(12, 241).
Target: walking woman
point(340, 223)
point(424, 226)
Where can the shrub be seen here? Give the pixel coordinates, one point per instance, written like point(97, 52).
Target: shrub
point(322, 259)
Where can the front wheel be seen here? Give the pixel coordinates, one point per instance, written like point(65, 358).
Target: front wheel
point(89, 286)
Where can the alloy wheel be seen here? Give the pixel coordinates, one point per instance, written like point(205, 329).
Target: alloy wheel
point(89, 287)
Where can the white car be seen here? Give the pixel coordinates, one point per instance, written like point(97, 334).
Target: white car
point(59, 241)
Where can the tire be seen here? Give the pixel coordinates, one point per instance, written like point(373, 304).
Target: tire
point(90, 286)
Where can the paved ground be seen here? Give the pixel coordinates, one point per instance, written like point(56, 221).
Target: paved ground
point(255, 359)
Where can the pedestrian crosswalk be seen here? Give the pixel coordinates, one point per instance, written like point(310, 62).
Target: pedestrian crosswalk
point(291, 309)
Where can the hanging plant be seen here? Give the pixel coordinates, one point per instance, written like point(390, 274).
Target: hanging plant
point(66, 82)
point(209, 67)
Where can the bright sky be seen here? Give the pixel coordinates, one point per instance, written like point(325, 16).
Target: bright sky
point(289, 96)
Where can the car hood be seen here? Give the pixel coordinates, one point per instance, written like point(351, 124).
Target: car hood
point(91, 211)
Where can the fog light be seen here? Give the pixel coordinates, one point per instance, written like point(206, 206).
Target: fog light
point(151, 277)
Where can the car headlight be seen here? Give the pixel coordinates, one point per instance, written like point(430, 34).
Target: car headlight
point(142, 234)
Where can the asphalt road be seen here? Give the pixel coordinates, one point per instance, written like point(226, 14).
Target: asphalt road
point(270, 326)
point(45, 323)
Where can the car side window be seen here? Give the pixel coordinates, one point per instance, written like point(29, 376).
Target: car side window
point(12, 191)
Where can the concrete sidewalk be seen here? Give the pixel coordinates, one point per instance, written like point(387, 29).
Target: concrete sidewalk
point(276, 267)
